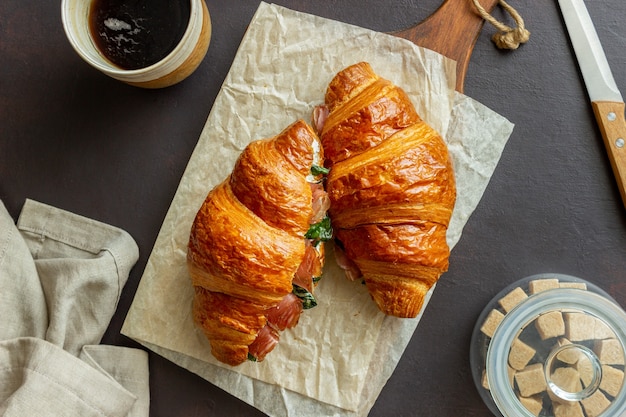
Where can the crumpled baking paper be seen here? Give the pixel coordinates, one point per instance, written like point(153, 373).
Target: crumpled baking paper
point(338, 358)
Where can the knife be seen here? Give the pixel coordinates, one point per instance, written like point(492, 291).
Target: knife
point(606, 100)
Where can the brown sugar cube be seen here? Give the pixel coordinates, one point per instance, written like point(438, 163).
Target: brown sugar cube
point(567, 379)
point(595, 404)
point(534, 404)
point(550, 325)
point(569, 356)
point(513, 298)
point(601, 330)
point(538, 285)
point(578, 326)
point(491, 322)
point(585, 370)
point(568, 410)
point(578, 285)
point(612, 380)
point(531, 380)
point(520, 354)
point(484, 381)
point(609, 351)
point(511, 375)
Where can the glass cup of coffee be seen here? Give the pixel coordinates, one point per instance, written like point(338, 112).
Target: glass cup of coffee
point(145, 43)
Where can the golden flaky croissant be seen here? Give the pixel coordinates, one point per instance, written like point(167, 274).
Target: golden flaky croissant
point(255, 250)
point(391, 187)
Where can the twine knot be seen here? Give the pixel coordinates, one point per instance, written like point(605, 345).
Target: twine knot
point(511, 39)
point(507, 37)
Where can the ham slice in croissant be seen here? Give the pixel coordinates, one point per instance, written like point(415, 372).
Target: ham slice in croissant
point(255, 249)
point(391, 186)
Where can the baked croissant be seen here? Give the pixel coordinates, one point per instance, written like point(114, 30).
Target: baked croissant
point(391, 186)
point(255, 249)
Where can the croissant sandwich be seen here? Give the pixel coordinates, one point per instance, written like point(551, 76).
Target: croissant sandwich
point(255, 249)
point(391, 186)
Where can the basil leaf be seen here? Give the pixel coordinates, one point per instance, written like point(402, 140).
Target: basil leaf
point(251, 358)
point(317, 279)
point(320, 231)
point(319, 170)
point(308, 300)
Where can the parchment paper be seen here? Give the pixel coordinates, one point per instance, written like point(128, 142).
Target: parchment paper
point(338, 358)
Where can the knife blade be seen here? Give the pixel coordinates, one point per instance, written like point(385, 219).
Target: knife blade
point(606, 99)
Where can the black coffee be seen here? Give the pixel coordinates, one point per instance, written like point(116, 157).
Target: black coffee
point(135, 34)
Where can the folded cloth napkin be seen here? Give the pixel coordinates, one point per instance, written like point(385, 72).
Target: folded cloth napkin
point(61, 276)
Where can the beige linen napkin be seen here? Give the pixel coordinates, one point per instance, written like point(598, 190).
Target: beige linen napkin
point(61, 276)
point(338, 358)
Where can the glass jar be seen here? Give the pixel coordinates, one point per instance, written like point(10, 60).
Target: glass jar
point(551, 345)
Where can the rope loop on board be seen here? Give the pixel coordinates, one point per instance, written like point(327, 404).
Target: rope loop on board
point(507, 37)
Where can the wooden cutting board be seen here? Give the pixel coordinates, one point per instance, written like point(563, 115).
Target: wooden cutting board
point(452, 31)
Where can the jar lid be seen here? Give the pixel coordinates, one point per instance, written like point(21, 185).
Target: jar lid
point(551, 345)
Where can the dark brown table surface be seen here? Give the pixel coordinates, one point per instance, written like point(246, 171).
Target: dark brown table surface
point(75, 139)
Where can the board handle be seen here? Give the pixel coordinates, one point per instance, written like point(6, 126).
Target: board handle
point(452, 31)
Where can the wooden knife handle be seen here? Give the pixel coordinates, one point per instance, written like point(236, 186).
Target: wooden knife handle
point(610, 118)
